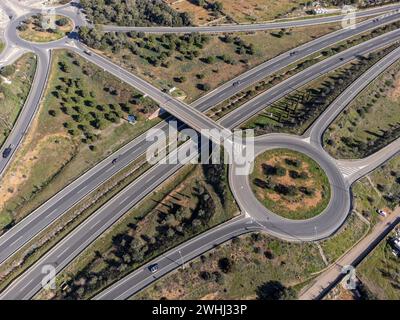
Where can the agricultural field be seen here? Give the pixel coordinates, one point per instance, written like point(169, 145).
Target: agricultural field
point(15, 84)
point(194, 200)
point(82, 119)
point(39, 28)
point(370, 122)
point(196, 63)
point(290, 184)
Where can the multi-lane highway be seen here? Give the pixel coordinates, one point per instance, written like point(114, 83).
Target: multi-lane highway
point(65, 199)
point(317, 228)
point(176, 257)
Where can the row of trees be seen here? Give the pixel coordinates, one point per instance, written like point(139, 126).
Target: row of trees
point(134, 13)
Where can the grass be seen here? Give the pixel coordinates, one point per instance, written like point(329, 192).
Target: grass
point(2, 46)
point(187, 66)
point(370, 122)
point(14, 89)
point(379, 190)
point(256, 259)
point(290, 184)
point(33, 31)
point(199, 15)
point(81, 121)
point(267, 83)
point(184, 206)
point(297, 111)
point(380, 272)
point(352, 231)
point(261, 10)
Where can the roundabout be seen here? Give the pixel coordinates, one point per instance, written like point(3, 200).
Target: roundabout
point(290, 184)
point(40, 28)
point(317, 227)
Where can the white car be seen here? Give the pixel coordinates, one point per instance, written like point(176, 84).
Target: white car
point(381, 212)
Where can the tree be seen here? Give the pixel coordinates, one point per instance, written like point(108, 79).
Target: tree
point(225, 264)
point(7, 71)
point(274, 290)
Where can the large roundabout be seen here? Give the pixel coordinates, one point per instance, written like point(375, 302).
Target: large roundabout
point(319, 221)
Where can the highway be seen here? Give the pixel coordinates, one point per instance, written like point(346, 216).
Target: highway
point(67, 249)
point(26, 229)
point(255, 26)
point(141, 278)
point(313, 229)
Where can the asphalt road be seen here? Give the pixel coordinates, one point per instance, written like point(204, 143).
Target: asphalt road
point(29, 110)
point(252, 27)
point(73, 193)
point(261, 217)
point(66, 250)
point(319, 227)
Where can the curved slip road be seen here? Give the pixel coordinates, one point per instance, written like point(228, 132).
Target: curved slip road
point(26, 229)
point(29, 109)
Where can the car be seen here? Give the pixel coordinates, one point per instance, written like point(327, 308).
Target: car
point(381, 212)
point(87, 52)
point(114, 161)
point(293, 53)
point(153, 268)
point(236, 83)
point(7, 152)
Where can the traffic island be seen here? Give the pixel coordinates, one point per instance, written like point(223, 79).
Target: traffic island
point(290, 184)
point(45, 28)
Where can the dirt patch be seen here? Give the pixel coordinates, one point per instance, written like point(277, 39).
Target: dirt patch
point(395, 93)
point(14, 179)
point(289, 184)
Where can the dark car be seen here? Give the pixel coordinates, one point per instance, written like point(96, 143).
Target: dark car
point(153, 268)
point(7, 152)
point(114, 161)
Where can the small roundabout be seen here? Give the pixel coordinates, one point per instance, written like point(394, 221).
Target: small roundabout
point(39, 28)
point(300, 196)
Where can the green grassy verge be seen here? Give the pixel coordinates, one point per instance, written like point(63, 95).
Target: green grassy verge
point(297, 111)
point(379, 272)
point(379, 190)
point(370, 122)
